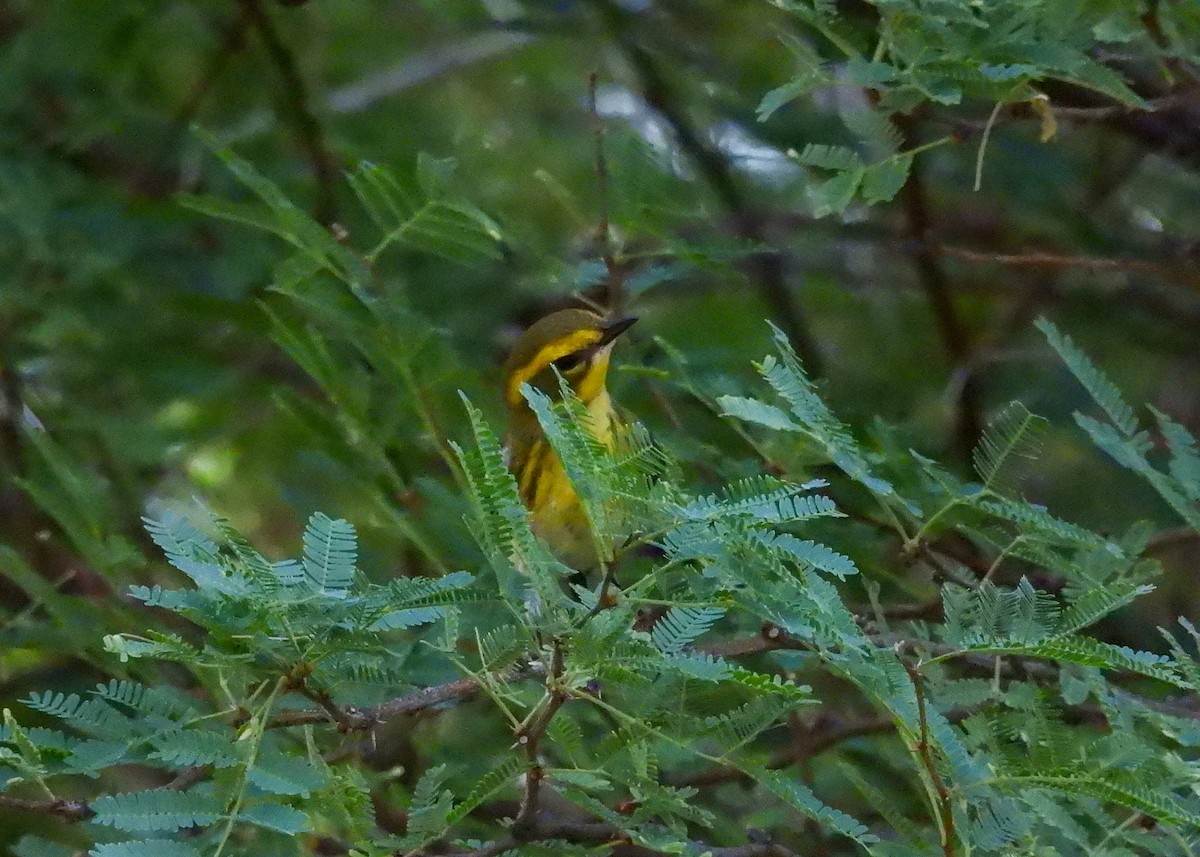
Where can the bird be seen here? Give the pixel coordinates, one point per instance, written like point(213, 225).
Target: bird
point(577, 343)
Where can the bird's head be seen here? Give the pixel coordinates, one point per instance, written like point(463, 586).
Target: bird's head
point(576, 342)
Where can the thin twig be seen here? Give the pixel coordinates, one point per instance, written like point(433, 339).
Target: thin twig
point(312, 137)
point(1039, 259)
point(529, 736)
point(355, 719)
point(233, 39)
point(188, 777)
point(951, 330)
point(767, 266)
point(67, 810)
point(824, 733)
point(614, 279)
point(945, 808)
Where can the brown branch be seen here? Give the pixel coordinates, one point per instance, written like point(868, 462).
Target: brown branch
point(824, 733)
point(67, 810)
point(312, 136)
point(1039, 259)
point(337, 714)
point(350, 718)
point(74, 811)
point(529, 736)
point(233, 39)
point(599, 832)
point(925, 751)
point(614, 280)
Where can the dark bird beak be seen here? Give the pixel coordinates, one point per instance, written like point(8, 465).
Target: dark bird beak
point(612, 329)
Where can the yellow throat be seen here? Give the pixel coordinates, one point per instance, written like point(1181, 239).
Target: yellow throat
point(577, 343)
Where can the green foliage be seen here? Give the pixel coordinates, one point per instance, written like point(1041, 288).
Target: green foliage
point(1128, 444)
point(292, 639)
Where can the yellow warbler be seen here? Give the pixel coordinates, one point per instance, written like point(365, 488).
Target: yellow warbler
point(577, 343)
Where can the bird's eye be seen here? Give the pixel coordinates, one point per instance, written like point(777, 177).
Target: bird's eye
point(568, 362)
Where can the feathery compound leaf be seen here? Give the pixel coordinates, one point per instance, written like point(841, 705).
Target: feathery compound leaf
point(498, 778)
point(277, 817)
point(682, 625)
point(695, 665)
point(180, 540)
point(774, 684)
point(167, 647)
point(94, 716)
point(1040, 523)
point(1097, 384)
point(765, 499)
point(1088, 652)
point(156, 810)
point(1164, 808)
point(810, 553)
point(759, 413)
point(330, 554)
point(1128, 446)
point(417, 214)
point(882, 181)
point(788, 378)
point(280, 215)
point(824, 157)
point(409, 617)
point(282, 774)
point(800, 797)
point(504, 522)
point(429, 814)
point(163, 704)
point(879, 136)
point(1099, 602)
point(417, 601)
point(1131, 453)
point(807, 76)
point(183, 748)
point(1015, 433)
point(737, 728)
point(1185, 457)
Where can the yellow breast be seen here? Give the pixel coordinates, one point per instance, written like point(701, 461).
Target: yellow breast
point(556, 515)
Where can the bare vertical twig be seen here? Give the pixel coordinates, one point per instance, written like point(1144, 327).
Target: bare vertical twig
point(767, 268)
point(312, 137)
point(945, 808)
point(951, 331)
point(233, 39)
point(525, 825)
point(614, 275)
